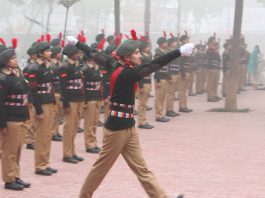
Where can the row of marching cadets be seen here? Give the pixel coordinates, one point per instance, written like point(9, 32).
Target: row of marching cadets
point(67, 89)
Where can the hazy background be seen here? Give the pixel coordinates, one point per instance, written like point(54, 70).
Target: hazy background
point(27, 19)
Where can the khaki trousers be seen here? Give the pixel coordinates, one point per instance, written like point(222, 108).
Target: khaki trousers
point(72, 120)
point(212, 83)
point(143, 96)
point(57, 114)
point(1, 144)
point(190, 82)
point(43, 137)
point(182, 90)
point(106, 105)
point(13, 142)
point(160, 96)
point(91, 113)
point(30, 125)
point(125, 142)
point(172, 87)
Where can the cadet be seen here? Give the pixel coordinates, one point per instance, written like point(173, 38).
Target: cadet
point(71, 83)
point(14, 112)
point(41, 90)
point(120, 136)
point(161, 76)
point(144, 86)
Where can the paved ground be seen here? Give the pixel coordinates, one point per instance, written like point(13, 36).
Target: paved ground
point(202, 154)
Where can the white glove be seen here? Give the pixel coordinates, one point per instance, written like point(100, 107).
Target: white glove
point(71, 40)
point(187, 49)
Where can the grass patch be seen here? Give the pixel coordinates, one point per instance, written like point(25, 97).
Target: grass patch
point(224, 110)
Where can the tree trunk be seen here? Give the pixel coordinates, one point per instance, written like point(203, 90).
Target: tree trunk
point(117, 16)
point(147, 16)
point(50, 6)
point(179, 16)
point(231, 91)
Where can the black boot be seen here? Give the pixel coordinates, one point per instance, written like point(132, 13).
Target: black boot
point(13, 186)
point(30, 146)
point(22, 183)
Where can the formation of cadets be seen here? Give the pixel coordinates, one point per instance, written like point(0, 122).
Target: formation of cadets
point(62, 84)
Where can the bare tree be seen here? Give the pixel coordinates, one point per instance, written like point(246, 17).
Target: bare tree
point(231, 91)
point(50, 8)
point(147, 16)
point(117, 16)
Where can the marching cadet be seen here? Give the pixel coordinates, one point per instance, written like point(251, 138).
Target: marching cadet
point(40, 82)
point(111, 40)
point(226, 64)
point(30, 125)
point(13, 113)
point(58, 110)
point(144, 86)
point(71, 83)
point(91, 111)
point(183, 82)
point(173, 69)
point(214, 67)
point(120, 136)
point(161, 77)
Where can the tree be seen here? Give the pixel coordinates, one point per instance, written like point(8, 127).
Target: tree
point(117, 17)
point(231, 91)
point(147, 16)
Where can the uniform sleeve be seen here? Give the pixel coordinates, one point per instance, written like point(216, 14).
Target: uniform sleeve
point(33, 86)
point(2, 105)
point(63, 74)
point(146, 69)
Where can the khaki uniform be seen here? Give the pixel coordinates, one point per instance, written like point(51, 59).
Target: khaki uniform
point(172, 88)
point(160, 97)
point(13, 142)
point(72, 120)
point(161, 86)
point(43, 138)
point(58, 110)
point(91, 117)
point(30, 126)
point(182, 90)
point(213, 73)
point(143, 96)
point(124, 142)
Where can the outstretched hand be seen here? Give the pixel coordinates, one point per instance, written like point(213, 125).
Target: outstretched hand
point(187, 49)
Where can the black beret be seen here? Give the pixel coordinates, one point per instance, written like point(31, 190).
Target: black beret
point(109, 38)
point(110, 49)
point(70, 50)
point(32, 50)
point(99, 37)
point(43, 46)
point(2, 48)
point(127, 48)
point(161, 40)
point(56, 42)
point(171, 40)
point(5, 56)
point(56, 50)
point(143, 45)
